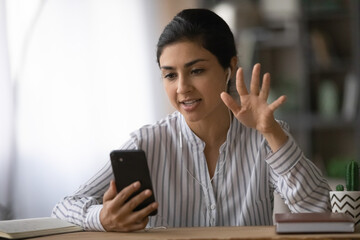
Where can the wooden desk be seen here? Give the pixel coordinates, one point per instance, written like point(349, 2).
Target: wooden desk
point(256, 232)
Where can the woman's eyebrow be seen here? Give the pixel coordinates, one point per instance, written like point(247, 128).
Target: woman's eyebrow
point(186, 65)
point(167, 67)
point(193, 62)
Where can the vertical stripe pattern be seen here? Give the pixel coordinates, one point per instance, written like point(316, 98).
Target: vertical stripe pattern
point(240, 192)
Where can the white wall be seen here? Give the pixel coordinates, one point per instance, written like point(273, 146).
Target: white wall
point(6, 126)
point(84, 78)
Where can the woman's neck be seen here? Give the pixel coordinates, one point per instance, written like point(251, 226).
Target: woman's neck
point(213, 131)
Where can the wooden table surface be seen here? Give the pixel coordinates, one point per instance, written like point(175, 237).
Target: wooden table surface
point(252, 232)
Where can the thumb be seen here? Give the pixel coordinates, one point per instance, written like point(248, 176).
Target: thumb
point(276, 104)
point(230, 102)
point(111, 192)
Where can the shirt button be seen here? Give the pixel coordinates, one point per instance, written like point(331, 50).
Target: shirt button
point(213, 207)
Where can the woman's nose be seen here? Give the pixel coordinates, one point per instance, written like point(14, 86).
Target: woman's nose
point(184, 85)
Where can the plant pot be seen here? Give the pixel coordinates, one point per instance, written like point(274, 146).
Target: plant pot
point(346, 202)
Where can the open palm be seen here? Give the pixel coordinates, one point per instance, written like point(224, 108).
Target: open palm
point(253, 111)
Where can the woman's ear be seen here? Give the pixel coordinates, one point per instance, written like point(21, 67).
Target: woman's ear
point(233, 66)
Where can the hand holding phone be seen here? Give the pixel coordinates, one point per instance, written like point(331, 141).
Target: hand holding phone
point(130, 166)
point(118, 216)
point(128, 202)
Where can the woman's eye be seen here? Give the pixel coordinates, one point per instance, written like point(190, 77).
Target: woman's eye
point(197, 71)
point(170, 76)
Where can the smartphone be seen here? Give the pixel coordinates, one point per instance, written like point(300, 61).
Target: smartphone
point(128, 167)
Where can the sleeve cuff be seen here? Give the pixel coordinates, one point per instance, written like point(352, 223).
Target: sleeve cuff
point(283, 160)
point(93, 219)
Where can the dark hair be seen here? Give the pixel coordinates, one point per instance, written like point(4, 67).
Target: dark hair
point(204, 26)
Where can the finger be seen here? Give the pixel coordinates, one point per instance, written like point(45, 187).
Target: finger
point(124, 194)
point(111, 192)
point(230, 102)
point(137, 200)
point(255, 80)
point(240, 83)
point(144, 213)
point(277, 103)
point(139, 219)
point(139, 225)
point(265, 87)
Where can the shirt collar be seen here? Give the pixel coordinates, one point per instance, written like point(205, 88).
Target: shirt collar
point(187, 133)
point(189, 136)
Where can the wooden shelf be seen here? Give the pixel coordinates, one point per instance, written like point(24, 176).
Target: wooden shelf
point(317, 122)
point(319, 44)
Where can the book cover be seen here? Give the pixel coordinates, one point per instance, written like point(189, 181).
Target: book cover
point(313, 222)
point(34, 227)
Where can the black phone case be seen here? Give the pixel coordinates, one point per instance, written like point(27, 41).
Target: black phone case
point(130, 166)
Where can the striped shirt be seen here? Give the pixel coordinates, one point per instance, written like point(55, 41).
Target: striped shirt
point(240, 192)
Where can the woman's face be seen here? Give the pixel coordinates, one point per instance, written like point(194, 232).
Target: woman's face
point(193, 80)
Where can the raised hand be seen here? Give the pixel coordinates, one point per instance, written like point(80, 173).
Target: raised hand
point(118, 216)
point(254, 110)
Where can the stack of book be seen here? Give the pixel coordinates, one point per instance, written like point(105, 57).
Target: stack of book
point(34, 227)
point(314, 222)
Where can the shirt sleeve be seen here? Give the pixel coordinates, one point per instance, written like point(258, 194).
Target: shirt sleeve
point(298, 181)
point(84, 206)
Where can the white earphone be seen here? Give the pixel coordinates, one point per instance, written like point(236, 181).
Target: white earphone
point(228, 76)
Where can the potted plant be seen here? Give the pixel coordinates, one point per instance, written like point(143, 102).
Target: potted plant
point(348, 201)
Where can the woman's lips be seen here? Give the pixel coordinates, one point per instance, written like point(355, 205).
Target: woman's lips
point(190, 105)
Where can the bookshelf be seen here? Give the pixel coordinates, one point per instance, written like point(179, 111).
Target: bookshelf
point(330, 51)
point(313, 55)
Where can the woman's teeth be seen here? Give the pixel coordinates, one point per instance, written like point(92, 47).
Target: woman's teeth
point(190, 102)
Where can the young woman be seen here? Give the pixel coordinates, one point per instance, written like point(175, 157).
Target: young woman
point(218, 159)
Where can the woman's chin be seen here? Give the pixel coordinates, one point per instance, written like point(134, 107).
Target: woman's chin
point(191, 117)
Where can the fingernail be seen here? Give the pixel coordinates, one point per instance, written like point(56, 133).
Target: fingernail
point(136, 184)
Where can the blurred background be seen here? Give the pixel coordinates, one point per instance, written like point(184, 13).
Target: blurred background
point(77, 76)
